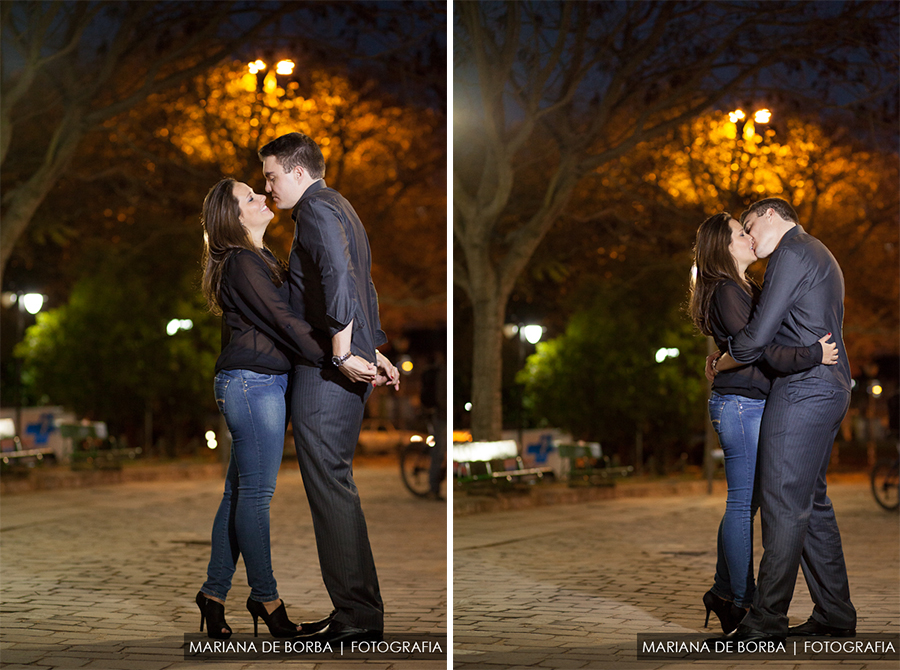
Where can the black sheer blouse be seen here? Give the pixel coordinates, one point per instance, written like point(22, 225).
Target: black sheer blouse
point(260, 332)
point(729, 312)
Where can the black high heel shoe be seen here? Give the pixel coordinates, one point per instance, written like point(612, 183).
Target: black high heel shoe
point(729, 614)
point(214, 614)
point(278, 622)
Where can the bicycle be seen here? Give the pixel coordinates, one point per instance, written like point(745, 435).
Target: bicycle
point(415, 466)
point(885, 479)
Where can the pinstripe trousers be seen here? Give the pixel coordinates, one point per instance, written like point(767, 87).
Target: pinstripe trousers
point(799, 529)
point(327, 412)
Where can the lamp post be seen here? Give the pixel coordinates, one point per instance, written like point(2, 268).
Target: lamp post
point(258, 67)
point(530, 333)
point(25, 302)
point(745, 131)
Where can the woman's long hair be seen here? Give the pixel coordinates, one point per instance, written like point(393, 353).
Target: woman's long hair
point(223, 234)
point(713, 263)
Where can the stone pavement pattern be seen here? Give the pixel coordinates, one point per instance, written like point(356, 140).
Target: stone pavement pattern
point(571, 586)
point(105, 577)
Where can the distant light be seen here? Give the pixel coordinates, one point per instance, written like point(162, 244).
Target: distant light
point(762, 116)
point(875, 389)
point(406, 366)
point(532, 334)
point(210, 435)
point(256, 66)
point(664, 353)
point(32, 302)
point(211, 444)
point(178, 324)
point(468, 406)
point(736, 115)
point(284, 67)
point(416, 438)
point(510, 330)
point(430, 441)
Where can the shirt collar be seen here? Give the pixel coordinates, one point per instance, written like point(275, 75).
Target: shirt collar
point(793, 232)
point(316, 186)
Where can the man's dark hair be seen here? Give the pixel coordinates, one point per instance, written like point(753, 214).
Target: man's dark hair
point(296, 149)
point(781, 207)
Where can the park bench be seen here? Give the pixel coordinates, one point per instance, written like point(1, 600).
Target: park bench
point(93, 448)
point(494, 463)
point(11, 450)
point(585, 465)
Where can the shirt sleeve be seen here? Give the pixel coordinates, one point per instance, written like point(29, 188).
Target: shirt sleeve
point(380, 336)
point(258, 300)
point(732, 310)
point(785, 281)
point(323, 237)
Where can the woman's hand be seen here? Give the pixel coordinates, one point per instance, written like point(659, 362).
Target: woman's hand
point(829, 351)
point(388, 374)
point(711, 372)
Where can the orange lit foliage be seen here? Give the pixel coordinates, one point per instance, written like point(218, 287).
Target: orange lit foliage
point(845, 196)
point(388, 160)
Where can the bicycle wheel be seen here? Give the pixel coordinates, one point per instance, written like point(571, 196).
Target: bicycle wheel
point(886, 484)
point(415, 462)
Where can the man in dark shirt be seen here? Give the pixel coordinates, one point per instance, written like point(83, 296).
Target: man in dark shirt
point(802, 297)
point(331, 288)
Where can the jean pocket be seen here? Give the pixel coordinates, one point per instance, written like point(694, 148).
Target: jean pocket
point(254, 380)
point(716, 406)
point(221, 388)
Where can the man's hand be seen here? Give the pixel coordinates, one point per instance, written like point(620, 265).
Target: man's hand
point(829, 351)
point(710, 370)
point(358, 369)
point(388, 374)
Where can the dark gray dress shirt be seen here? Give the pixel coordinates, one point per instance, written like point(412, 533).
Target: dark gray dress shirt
point(729, 311)
point(802, 300)
point(330, 270)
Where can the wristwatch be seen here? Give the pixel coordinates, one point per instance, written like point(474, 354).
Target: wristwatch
point(338, 361)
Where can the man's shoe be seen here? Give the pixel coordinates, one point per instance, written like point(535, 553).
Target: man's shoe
point(313, 627)
point(813, 628)
point(746, 634)
point(336, 631)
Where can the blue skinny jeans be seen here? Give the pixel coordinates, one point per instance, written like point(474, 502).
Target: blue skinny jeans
point(253, 405)
point(736, 420)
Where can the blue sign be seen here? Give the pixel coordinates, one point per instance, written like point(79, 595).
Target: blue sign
point(42, 429)
point(540, 450)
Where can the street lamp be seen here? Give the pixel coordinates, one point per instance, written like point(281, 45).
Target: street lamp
point(25, 302)
point(259, 67)
point(746, 127)
point(32, 302)
point(745, 130)
point(284, 67)
point(178, 324)
point(762, 116)
point(532, 334)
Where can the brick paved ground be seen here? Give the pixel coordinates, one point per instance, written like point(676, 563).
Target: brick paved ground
point(105, 577)
point(571, 586)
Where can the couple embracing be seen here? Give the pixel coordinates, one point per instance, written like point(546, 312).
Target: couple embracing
point(780, 384)
point(303, 335)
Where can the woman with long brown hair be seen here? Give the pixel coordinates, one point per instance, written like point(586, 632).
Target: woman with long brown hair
point(722, 298)
point(245, 283)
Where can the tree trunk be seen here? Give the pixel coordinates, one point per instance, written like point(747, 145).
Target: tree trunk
point(487, 365)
